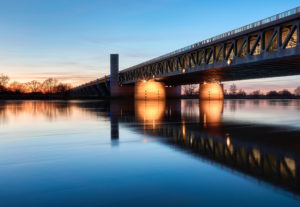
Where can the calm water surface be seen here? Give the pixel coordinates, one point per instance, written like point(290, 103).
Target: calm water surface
point(150, 153)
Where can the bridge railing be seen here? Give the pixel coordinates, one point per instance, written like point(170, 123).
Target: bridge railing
point(226, 34)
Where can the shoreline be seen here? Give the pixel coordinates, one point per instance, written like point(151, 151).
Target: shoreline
point(120, 98)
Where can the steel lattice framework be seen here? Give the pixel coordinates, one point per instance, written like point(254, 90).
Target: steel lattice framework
point(266, 48)
point(270, 40)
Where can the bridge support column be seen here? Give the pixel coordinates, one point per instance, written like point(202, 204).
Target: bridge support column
point(173, 92)
point(115, 89)
point(149, 90)
point(114, 75)
point(211, 91)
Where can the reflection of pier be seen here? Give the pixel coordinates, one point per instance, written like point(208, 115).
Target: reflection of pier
point(150, 112)
point(211, 111)
point(114, 121)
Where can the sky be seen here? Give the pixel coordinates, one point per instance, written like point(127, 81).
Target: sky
point(71, 40)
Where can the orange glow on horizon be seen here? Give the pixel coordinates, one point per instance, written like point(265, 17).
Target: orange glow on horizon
point(64, 77)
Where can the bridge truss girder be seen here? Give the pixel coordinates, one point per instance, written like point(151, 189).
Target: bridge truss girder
point(271, 43)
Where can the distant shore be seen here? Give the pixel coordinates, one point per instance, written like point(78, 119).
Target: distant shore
point(69, 97)
point(246, 97)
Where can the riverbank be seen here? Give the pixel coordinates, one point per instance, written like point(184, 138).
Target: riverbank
point(68, 96)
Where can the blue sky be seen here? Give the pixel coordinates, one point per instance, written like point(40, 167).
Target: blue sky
point(72, 39)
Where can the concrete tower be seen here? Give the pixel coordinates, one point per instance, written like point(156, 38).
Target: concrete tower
point(114, 75)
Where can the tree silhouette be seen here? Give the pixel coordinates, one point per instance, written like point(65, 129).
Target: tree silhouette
point(297, 91)
point(233, 89)
point(241, 93)
point(17, 87)
point(273, 94)
point(34, 86)
point(190, 89)
point(4, 80)
point(62, 88)
point(49, 85)
point(285, 93)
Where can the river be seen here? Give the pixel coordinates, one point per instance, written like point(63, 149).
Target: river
point(150, 153)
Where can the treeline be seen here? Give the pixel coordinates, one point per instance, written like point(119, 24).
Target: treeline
point(192, 91)
point(234, 92)
point(50, 88)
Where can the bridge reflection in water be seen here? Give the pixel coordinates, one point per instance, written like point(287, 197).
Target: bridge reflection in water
point(264, 164)
point(203, 133)
point(262, 151)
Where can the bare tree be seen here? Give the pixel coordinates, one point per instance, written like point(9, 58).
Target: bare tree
point(241, 92)
point(233, 89)
point(49, 85)
point(34, 86)
point(190, 89)
point(17, 87)
point(62, 88)
point(3, 80)
point(297, 91)
point(256, 93)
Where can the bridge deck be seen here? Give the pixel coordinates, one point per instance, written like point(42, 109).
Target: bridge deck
point(267, 48)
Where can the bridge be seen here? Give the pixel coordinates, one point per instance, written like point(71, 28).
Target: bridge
point(266, 48)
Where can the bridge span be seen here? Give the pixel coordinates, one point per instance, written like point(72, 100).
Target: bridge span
point(266, 48)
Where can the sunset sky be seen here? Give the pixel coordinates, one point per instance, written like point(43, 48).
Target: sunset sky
point(71, 39)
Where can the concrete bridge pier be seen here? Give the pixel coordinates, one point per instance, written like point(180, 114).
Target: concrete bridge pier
point(114, 75)
point(151, 90)
point(211, 91)
point(173, 91)
point(115, 89)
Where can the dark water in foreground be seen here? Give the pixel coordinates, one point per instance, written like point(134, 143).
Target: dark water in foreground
point(154, 153)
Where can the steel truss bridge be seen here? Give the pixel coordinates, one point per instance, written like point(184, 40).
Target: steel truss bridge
point(266, 48)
